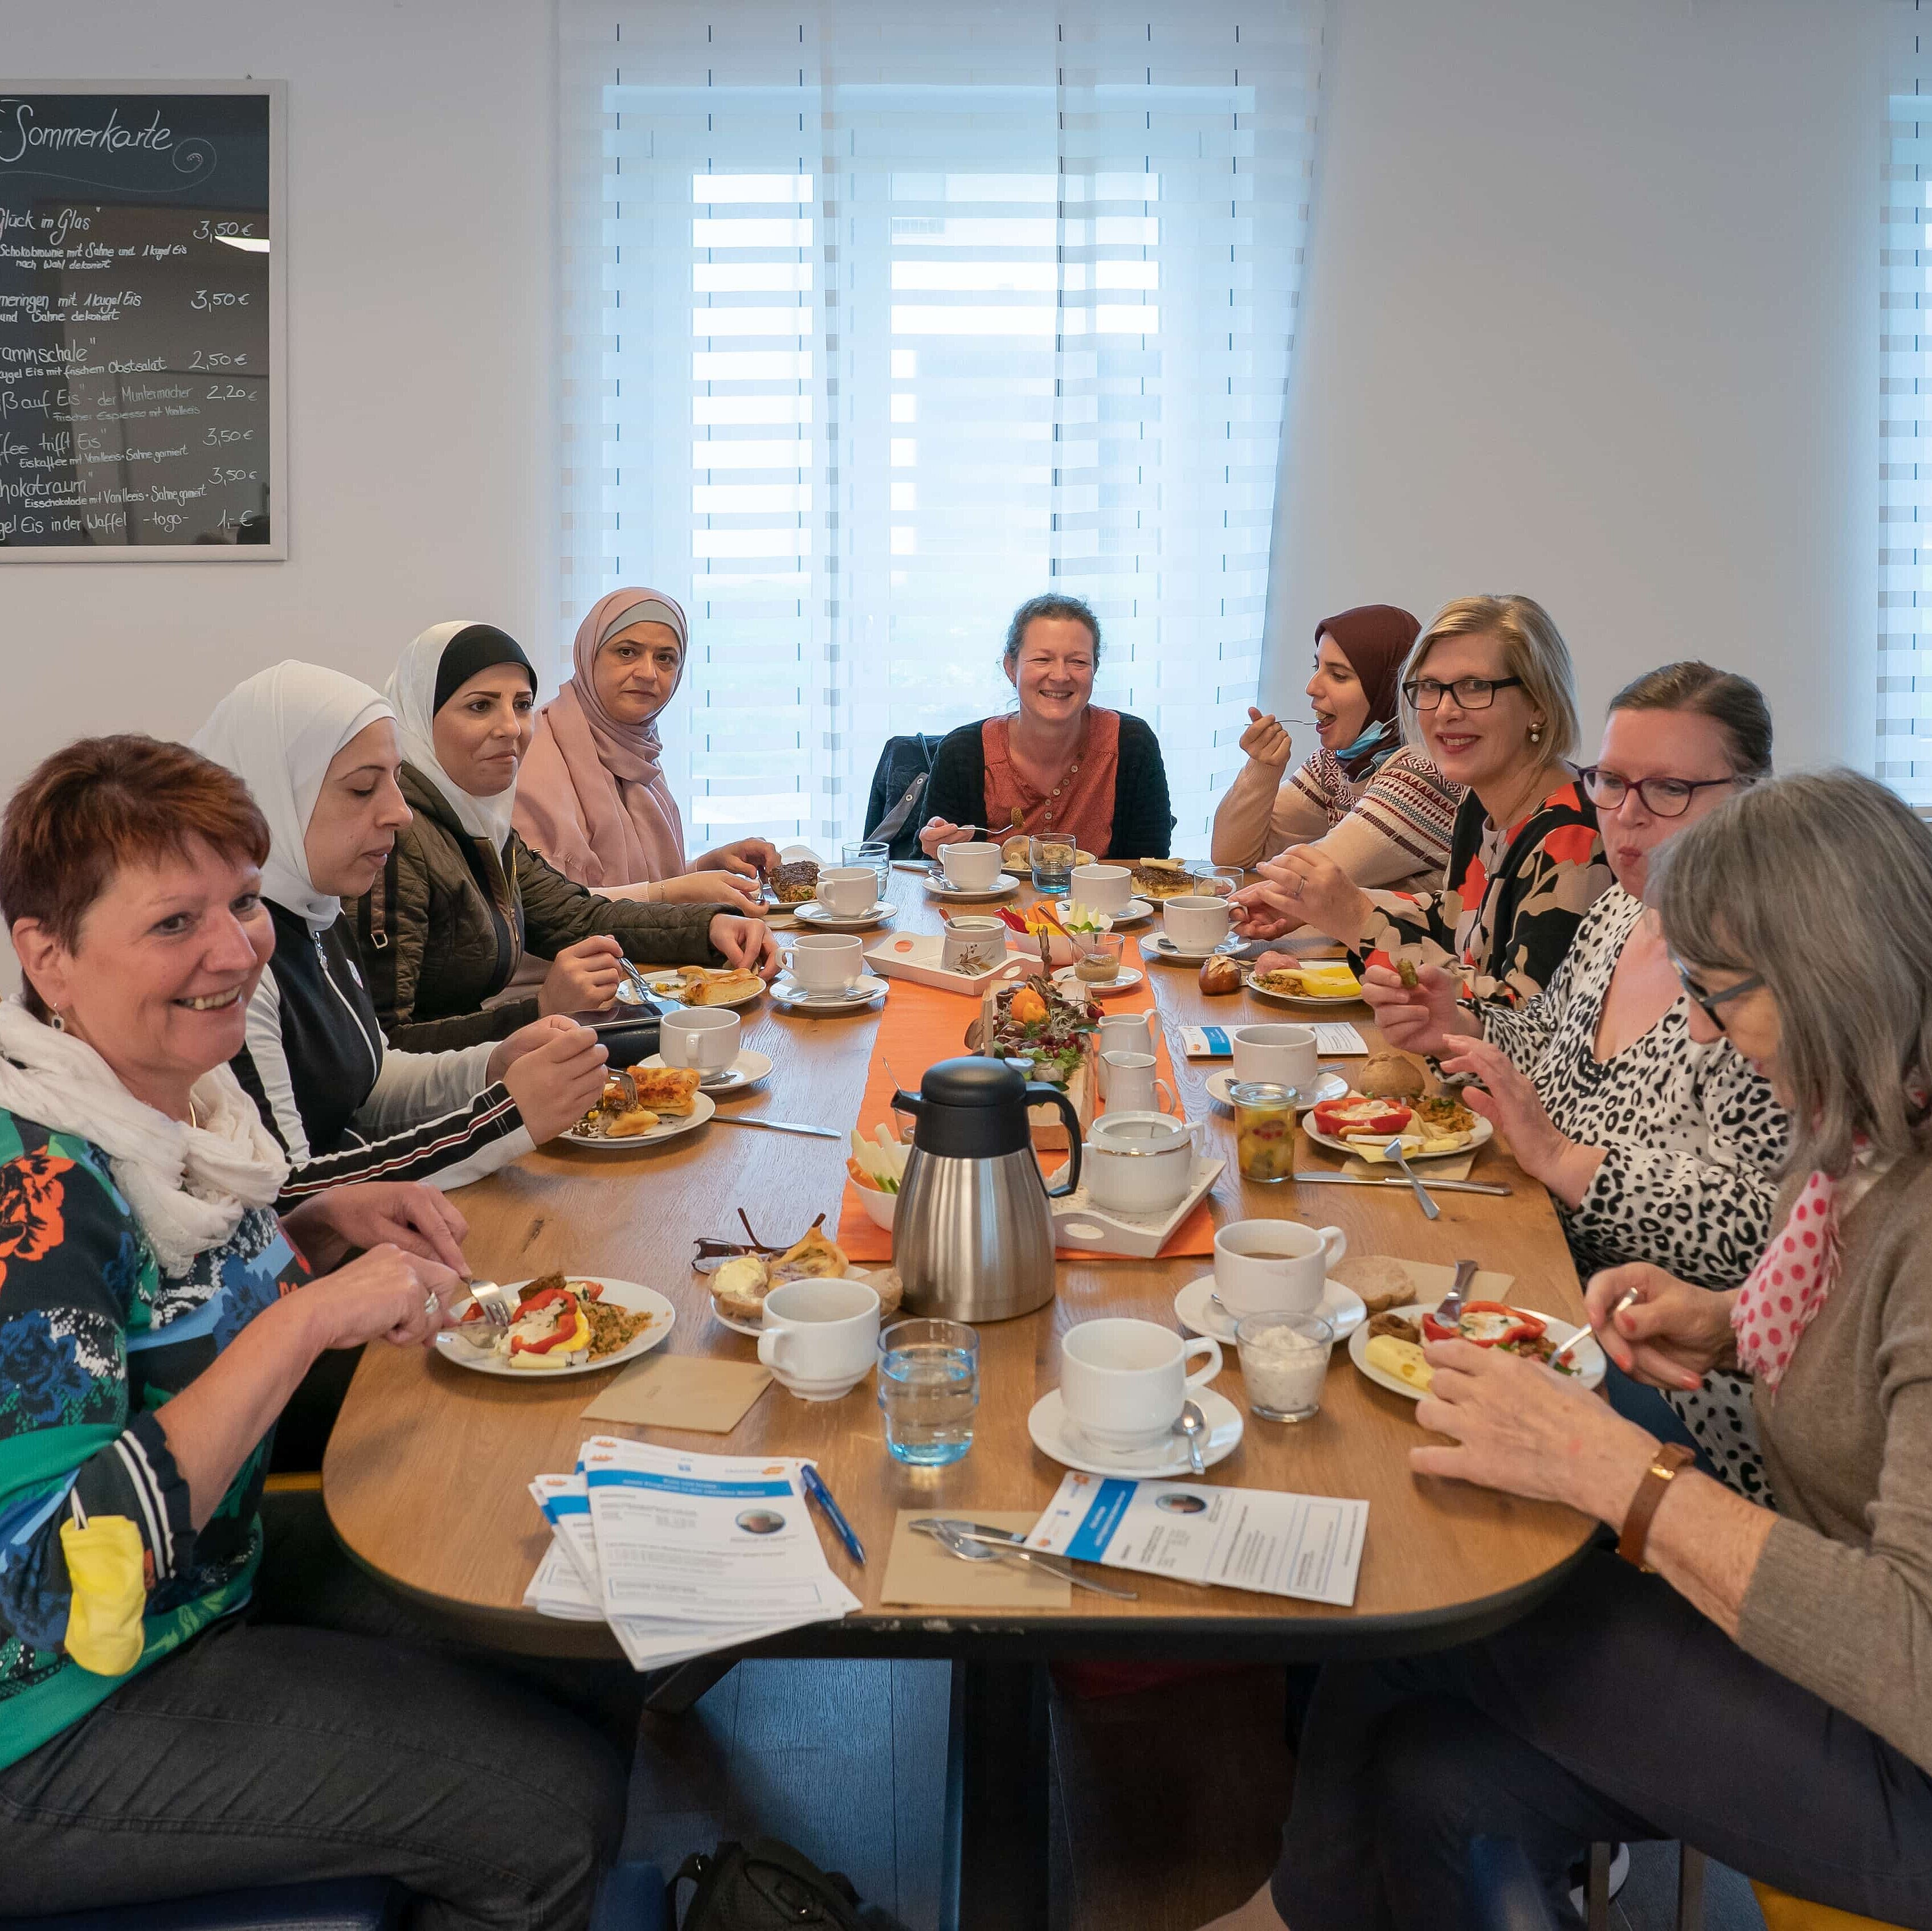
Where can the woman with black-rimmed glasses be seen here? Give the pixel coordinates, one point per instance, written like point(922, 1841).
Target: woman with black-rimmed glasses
point(1654, 1146)
point(1489, 687)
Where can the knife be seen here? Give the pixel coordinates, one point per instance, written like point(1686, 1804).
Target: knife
point(1422, 1179)
point(778, 1126)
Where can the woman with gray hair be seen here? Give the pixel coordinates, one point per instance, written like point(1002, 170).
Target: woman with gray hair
point(1654, 1146)
point(1751, 1683)
point(1490, 686)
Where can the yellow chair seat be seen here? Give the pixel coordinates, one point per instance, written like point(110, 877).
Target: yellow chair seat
point(1784, 1912)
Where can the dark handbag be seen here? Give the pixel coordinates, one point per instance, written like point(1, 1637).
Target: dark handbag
point(899, 784)
point(767, 1886)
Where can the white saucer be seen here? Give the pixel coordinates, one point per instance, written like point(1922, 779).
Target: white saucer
point(1055, 1435)
point(1159, 946)
point(1331, 1085)
point(1135, 910)
point(1200, 1314)
point(936, 884)
point(855, 999)
point(746, 1070)
point(1125, 981)
point(811, 913)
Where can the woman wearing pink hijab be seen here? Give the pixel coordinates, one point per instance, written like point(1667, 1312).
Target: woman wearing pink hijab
point(591, 797)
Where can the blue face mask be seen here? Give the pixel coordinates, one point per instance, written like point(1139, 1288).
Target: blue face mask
point(1368, 741)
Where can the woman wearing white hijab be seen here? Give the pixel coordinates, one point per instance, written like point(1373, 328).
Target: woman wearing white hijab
point(448, 919)
point(318, 750)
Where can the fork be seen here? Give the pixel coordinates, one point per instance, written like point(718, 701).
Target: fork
point(1430, 1211)
point(636, 978)
point(1449, 1308)
point(492, 1303)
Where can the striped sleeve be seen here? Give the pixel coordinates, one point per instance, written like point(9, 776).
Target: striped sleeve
point(1410, 803)
point(450, 1150)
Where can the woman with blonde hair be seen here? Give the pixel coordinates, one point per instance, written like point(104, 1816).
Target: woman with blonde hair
point(1489, 687)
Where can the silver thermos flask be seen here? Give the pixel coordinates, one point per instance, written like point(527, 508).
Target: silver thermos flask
point(972, 1235)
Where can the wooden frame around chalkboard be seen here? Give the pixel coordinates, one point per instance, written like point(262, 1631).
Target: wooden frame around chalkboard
point(277, 550)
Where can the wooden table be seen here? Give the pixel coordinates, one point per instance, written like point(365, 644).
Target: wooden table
point(425, 1476)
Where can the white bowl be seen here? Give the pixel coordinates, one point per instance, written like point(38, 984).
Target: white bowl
point(879, 1205)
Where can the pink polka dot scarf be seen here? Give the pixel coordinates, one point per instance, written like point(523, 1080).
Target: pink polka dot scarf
point(1789, 1284)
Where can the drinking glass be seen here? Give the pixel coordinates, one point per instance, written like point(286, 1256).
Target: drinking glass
point(928, 1387)
point(1096, 957)
point(1052, 858)
point(1263, 1129)
point(1284, 1362)
point(1218, 881)
point(874, 851)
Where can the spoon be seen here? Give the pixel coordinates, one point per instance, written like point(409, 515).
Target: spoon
point(1193, 1424)
point(1393, 1151)
point(968, 1549)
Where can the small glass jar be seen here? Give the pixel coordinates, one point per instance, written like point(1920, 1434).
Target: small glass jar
point(1096, 957)
point(1264, 1130)
point(1284, 1362)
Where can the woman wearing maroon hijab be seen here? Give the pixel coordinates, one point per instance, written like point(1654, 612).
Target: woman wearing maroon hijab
point(1376, 806)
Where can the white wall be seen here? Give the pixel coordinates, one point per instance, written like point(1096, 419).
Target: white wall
point(420, 222)
point(1591, 312)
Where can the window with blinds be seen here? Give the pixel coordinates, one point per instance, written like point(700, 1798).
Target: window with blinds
point(1903, 754)
point(881, 319)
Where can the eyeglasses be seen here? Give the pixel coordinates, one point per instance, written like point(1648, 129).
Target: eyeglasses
point(712, 1252)
point(1709, 1002)
point(1661, 797)
point(1472, 693)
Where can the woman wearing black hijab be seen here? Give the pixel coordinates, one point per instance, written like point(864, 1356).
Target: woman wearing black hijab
point(1377, 807)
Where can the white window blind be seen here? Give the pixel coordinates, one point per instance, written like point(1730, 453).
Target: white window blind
point(880, 318)
point(1903, 754)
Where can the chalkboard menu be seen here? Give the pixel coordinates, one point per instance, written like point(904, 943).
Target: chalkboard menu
point(141, 401)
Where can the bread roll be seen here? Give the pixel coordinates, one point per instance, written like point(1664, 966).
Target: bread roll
point(1220, 975)
point(1390, 1076)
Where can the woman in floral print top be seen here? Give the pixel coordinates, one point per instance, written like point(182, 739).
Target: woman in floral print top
point(1488, 683)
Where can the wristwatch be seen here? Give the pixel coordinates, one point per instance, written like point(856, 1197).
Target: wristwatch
point(1658, 1478)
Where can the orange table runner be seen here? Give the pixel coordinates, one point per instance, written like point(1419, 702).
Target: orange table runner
point(919, 1024)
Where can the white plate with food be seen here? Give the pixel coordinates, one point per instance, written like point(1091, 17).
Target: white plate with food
point(1125, 980)
point(1330, 1086)
point(697, 985)
point(1402, 1371)
point(1055, 1434)
point(813, 913)
point(623, 1320)
point(936, 885)
point(1414, 1145)
point(746, 1070)
point(1159, 946)
point(738, 1286)
point(1158, 878)
point(659, 1103)
point(1310, 988)
point(787, 993)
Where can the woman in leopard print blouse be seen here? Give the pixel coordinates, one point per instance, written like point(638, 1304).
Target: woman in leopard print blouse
point(1654, 1148)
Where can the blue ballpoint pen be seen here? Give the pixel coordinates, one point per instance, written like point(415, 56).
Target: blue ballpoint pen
point(816, 1489)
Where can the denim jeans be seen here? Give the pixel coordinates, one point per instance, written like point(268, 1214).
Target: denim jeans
point(270, 1750)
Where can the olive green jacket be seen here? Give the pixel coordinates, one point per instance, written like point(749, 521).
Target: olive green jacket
point(445, 928)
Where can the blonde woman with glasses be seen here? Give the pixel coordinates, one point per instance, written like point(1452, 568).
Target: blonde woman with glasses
point(1489, 687)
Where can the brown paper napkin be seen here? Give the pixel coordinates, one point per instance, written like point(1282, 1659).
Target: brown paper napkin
point(919, 1572)
point(1457, 1168)
point(1428, 1280)
point(690, 1391)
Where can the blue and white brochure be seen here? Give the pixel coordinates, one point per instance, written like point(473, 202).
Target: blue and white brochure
point(1309, 1546)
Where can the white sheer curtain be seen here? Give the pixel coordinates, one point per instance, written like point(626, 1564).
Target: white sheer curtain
point(880, 318)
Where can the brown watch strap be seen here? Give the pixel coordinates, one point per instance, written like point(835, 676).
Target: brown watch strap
point(1650, 1492)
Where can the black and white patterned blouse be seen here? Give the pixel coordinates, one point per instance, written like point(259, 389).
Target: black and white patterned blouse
point(1691, 1135)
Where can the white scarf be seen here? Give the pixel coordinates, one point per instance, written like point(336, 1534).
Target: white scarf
point(277, 731)
point(411, 690)
point(188, 1185)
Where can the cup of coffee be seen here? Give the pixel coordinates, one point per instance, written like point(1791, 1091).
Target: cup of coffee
point(973, 945)
point(1106, 888)
point(1132, 1085)
point(1195, 923)
point(848, 891)
point(700, 1036)
point(972, 867)
point(820, 1336)
point(1138, 1162)
point(1276, 1055)
point(1124, 1382)
point(1273, 1266)
point(826, 962)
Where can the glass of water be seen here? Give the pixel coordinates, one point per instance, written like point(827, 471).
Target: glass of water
point(1052, 858)
point(875, 853)
point(928, 1387)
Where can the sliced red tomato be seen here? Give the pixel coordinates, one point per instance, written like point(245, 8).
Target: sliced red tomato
point(1357, 1115)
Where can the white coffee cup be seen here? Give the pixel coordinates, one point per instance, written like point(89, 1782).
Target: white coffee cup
point(701, 1036)
point(1281, 1055)
point(1132, 1085)
point(1138, 1162)
point(1106, 888)
point(826, 961)
point(848, 891)
point(971, 867)
point(1273, 1266)
point(820, 1336)
point(1122, 1382)
point(1196, 924)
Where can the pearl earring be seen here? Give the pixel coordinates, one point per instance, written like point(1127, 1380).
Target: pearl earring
point(1536, 735)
